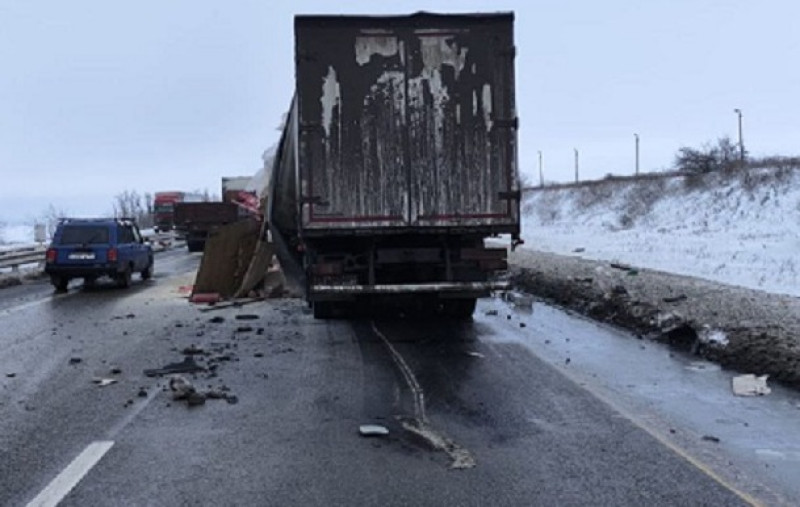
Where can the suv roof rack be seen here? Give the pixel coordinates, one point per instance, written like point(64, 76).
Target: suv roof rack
point(63, 220)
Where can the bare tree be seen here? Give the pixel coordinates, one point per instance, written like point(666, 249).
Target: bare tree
point(130, 204)
point(50, 217)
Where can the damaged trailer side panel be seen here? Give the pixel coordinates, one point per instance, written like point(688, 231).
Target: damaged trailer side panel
point(407, 122)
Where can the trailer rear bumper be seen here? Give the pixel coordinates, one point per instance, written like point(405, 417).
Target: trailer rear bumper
point(444, 289)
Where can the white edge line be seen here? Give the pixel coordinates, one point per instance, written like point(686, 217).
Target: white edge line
point(72, 475)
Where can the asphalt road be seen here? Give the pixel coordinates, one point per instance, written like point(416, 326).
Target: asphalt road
point(475, 416)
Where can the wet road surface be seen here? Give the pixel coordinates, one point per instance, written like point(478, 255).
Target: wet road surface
point(478, 413)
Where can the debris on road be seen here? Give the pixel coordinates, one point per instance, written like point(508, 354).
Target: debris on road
point(373, 430)
point(217, 320)
point(209, 297)
point(258, 354)
point(75, 360)
point(115, 370)
point(193, 350)
point(181, 388)
point(103, 382)
point(188, 365)
point(11, 375)
point(492, 313)
point(244, 329)
point(519, 300)
point(623, 267)
point(750, 385)
point(711, 438)
point(142, 393)
point(246, 316)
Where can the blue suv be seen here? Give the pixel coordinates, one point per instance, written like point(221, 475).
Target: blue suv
point(91, 248)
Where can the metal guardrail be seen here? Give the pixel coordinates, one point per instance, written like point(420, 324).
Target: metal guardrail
point(28, 255)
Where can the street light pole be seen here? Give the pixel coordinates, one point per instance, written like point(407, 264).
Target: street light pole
point(576, 165)
point(541, 172)
point(637, 153)
point(741, 142)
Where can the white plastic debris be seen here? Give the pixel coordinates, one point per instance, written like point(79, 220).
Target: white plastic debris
point(750, 385)
point(103, 382)
point(519, 300)
point(373, 430)
point(711, 336)
point(475, 354)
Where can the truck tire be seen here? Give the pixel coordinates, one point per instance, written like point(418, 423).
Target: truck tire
point(323, 309)
point(460, 309)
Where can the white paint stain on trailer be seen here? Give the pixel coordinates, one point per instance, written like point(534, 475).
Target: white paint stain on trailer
point(383, 45)
point(330, 99)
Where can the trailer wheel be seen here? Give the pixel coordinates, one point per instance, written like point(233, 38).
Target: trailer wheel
point(323, 309)
point(461, 309)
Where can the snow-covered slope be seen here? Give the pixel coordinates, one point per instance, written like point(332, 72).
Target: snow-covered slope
point(740, 229)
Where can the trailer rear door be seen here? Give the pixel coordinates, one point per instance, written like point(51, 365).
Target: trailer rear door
point(407, 122)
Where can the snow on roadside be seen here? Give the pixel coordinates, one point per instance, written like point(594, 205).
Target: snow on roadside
point(16, 234)
point(732, 230)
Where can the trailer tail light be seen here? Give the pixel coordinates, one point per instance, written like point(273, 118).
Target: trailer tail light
point(112, 255)
point(50, 257)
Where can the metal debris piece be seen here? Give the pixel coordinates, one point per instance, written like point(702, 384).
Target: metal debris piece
point(103, 382)
point(373, 430)
point(750, 385)
point(188, 365)
point(193, 350)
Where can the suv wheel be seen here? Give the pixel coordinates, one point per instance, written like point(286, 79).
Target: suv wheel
point(148, 271)
point(124, 278)
point(60, 282)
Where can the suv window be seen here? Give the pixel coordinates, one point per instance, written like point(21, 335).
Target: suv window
point(84, 235)
point(125, 234)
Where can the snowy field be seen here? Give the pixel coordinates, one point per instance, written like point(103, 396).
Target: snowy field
point(734, 229)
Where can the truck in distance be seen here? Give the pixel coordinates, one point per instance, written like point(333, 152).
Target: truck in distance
point(164, 208)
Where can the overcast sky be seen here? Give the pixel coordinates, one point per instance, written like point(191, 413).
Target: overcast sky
point(97, 97)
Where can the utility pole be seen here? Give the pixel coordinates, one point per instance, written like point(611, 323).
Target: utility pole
point(741, 141)
point(576, 165)
point(541, 172)
point(637, 153)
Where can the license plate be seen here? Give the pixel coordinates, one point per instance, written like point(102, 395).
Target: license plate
point(81, 256)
